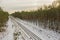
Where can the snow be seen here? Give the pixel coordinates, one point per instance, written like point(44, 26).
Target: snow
point(23, 35)
point(17, 30)
point(44, 34)
point(9, 33)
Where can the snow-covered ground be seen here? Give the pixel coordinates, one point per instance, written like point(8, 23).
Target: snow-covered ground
point(17, 31)
point(9, 33)
point(44, 34)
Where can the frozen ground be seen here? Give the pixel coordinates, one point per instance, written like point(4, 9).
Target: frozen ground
point(8, 34)
point(44, 34)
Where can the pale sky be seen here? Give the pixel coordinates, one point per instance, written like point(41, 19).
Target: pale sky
point(17, 5)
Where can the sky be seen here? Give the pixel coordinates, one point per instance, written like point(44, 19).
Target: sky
point(19, 5)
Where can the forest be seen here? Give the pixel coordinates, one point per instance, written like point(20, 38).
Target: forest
point(50, 16)
point(3, 19)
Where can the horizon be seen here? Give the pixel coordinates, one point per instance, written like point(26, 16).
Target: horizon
point(19, 5)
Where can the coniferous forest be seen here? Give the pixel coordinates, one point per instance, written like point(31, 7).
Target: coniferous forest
point(50, 16)
point(3, 19)
point(29, 19)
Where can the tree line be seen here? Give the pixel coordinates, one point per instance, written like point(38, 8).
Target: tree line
point(3, 18)
point(50, 16)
